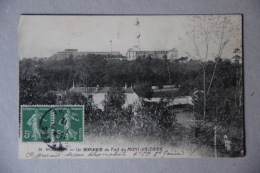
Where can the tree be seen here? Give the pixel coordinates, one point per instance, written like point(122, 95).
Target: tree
point(115, 97)
point(239, 89)
point(144, 89)
point(31, 92)
point(209, 33)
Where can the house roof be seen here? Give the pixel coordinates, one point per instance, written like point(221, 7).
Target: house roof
point(129, 90)
point(130, 49)
point(97, 90)
point(164, 93)
point(166, 90)
point(158, 93)
point(138, 92)
point(154, 52)
point(173, 50)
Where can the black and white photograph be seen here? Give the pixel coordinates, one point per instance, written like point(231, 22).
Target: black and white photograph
point(152, 86)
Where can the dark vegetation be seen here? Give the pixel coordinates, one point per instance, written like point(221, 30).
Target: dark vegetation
point(40, 80)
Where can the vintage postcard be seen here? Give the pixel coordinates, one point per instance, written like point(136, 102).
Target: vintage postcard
point(137, 86)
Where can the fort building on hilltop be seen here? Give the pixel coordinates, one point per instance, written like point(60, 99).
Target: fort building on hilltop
point(132, 54)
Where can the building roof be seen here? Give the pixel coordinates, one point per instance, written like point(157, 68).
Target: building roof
point(114, 52)
point(173, 50)
point(157, 93)
point(164, 93)
point(97, 90)
point(139, 93)
point(150, 51)
point(71, 50)
point(181, 100)
point(166, 90)
point(130, 49)
point(53, 56)
point(129, 90)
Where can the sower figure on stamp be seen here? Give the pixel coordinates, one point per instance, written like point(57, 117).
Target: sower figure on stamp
point(66, 122)
point(34, 123)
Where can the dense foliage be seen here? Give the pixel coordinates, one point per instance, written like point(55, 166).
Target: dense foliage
point(40, 79)
point(92, 70)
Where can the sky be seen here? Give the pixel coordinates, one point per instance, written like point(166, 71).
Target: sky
point(45, 35)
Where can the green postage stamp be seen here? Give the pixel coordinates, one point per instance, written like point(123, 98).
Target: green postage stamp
point(52, 123)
